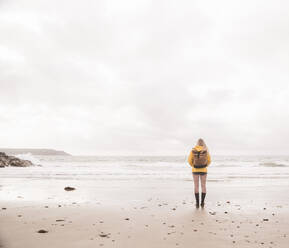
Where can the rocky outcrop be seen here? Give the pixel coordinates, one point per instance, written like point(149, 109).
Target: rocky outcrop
point(6, 160)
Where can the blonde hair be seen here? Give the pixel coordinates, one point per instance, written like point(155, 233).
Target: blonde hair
point(201, 142)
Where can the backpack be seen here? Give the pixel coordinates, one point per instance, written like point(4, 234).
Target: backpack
point(200, 158)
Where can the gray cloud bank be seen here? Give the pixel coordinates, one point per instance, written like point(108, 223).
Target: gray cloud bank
point(145, 77)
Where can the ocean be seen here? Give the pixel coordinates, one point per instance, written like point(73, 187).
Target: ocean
point(234, 169)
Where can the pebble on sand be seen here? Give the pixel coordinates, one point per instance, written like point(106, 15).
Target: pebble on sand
point(103, 235)
point(68, 188)
point(42, 231)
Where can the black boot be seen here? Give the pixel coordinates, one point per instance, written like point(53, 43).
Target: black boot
point(203, 199)
point(197, 196)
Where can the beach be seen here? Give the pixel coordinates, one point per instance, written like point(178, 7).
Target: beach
point(140, 212)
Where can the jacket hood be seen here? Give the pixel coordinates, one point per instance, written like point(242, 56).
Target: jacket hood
point(199, 148)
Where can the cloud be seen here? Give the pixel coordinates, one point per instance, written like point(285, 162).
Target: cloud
point(144, 77)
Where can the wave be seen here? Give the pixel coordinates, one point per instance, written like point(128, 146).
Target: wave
point(226, 165)
point(272, 164)
point(28, 156)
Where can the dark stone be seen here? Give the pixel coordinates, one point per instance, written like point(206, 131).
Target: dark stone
point(69, 188)
point(42, 231)
point(103, 235)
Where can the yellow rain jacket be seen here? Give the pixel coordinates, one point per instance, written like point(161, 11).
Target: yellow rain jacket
point(191, 160)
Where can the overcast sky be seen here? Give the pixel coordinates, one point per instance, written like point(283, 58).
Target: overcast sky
point(138, 77)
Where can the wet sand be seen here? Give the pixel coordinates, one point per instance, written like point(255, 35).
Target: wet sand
point(144, 214)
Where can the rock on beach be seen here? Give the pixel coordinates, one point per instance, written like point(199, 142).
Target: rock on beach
point(6, 160)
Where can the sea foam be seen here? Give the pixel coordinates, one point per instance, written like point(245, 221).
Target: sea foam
point(28, 156)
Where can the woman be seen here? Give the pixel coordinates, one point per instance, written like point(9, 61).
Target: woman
point(199, 159)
